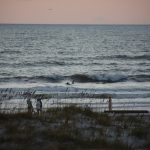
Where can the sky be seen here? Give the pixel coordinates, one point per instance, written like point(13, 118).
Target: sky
point(75, 11)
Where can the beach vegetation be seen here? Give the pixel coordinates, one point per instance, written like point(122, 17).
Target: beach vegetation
point(140, 132)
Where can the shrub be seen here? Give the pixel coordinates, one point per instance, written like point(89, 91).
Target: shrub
point(140, 132)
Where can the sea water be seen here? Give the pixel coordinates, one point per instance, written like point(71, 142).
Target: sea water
point(93, 59)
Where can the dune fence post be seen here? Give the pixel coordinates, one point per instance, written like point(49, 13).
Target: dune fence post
point(109, 103)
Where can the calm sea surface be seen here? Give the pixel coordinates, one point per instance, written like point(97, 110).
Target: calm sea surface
point(112, 59)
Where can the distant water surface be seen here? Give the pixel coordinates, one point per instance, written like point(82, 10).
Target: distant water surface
point(111, 59)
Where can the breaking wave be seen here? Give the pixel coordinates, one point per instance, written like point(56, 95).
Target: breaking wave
point(80, 78)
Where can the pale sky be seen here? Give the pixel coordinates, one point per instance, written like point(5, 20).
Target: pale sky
point(75, 11)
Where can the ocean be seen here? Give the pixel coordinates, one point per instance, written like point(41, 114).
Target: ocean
point(95, 59)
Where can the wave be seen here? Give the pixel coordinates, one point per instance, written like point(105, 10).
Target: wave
point(105, 78)
point(143, 57)
point(33, 64)
point(10, 52)
point(140, 78)
point(80, 78)
point(146, 57)
point(31, 79)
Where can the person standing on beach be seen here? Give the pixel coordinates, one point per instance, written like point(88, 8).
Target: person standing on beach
point(39, 106)
point(109, 103)
point(30, 107)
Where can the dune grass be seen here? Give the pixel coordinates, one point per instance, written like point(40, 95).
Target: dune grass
point(70, 128)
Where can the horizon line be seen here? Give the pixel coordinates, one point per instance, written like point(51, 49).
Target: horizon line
point(73, 24)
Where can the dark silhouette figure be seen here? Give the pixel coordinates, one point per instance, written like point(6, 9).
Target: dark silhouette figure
point(30, 107)
point(39, 106)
